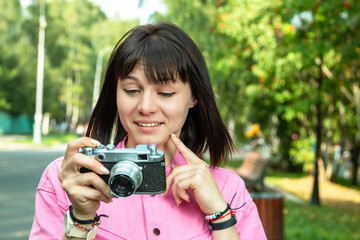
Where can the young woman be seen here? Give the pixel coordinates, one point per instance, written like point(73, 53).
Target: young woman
point(156, 91)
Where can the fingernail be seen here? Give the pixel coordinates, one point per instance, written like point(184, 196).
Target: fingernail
point(104, 170)
point(95, 142)
point(173, 135)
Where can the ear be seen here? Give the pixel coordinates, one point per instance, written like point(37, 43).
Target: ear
point(193, 102)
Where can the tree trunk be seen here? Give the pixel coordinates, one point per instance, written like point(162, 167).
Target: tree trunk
point(68, 100)
point(355, 160)
point(356, 152)
point(342, 123)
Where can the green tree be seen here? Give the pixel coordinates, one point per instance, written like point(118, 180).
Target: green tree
point(292, 45)
point(76, 31)
point(266, 59)
point(199, 19)
point(16, 61)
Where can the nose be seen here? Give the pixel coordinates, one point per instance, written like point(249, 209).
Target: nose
point(147, 104)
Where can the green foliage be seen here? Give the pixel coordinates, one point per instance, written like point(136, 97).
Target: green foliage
point(265, 66)
point(15, 65)
point(75, 33)
point(265, 59)
point(302, 153)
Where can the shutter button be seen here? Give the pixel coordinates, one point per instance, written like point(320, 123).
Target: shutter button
point(156, 231)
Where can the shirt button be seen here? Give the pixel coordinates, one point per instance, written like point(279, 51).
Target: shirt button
point(156, 231)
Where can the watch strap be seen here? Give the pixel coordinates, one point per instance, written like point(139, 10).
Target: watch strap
point(91, 235)
point(223, 225)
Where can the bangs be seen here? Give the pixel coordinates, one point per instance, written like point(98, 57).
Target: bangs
point(163, 62)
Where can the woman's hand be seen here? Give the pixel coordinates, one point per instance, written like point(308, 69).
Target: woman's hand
point(196, 177)
point(84, 198)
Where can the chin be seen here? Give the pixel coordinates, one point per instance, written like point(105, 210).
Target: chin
point(151, 140)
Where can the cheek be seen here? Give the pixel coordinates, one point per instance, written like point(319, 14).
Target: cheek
point(124, 108)
point(119, 105)
point(177, 114)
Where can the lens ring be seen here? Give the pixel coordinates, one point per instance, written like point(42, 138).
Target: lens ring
point(125, 178)
point(122, 186)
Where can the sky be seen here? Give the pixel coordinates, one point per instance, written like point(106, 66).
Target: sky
point(126, 9)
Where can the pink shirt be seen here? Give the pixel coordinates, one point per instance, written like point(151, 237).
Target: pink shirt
point(143, 216)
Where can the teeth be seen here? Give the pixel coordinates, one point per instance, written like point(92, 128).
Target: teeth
point(148, 124)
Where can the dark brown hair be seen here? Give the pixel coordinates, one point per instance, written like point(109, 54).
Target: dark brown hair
point(166, 52)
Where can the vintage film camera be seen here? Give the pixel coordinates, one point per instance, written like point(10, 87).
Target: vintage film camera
point(139, 170)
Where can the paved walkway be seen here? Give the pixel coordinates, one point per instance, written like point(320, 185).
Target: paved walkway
point(20, 172)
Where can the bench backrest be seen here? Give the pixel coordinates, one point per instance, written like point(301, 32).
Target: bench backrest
point(254, 166)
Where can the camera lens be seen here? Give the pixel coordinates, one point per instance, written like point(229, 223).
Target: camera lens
point(122, 183)
point(125, 178)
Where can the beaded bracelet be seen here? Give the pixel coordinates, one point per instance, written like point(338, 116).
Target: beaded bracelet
point(87, 228)
point(231, 212)
point(225, 224)
point(216, 215)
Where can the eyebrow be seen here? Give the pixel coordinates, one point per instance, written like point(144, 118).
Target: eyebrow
point(130, 77)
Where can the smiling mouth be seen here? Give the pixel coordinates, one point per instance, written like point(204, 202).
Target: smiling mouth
point(148, 124)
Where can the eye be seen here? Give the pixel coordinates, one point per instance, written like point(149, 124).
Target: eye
point(131, 91)
point(166, 94)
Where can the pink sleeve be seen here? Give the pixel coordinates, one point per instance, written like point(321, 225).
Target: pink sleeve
point(250, 226)
point(233, 188)
point(51, 203)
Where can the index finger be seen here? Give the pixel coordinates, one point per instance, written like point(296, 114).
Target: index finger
point(189, 156)
point(74, 145)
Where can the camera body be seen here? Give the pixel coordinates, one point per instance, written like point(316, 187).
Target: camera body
point(139, 170)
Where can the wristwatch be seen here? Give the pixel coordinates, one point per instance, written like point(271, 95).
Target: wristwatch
point(73, 231)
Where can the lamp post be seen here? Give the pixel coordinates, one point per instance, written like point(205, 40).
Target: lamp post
point(98, 74)
point(40, 75)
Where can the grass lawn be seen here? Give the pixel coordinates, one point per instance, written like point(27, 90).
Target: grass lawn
point(338, 216)
point(306, 221)
point(51, 139)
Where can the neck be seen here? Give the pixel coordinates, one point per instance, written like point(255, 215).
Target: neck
point(169, 151)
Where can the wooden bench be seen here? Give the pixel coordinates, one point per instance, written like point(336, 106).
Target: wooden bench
point(253, 170)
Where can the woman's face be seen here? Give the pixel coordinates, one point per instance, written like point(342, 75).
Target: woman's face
point(151, 112)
